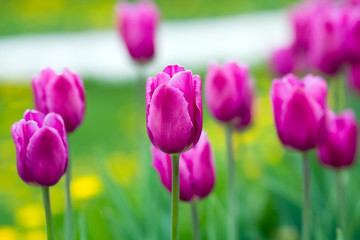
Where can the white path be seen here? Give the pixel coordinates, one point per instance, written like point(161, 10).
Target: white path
point(191, 43)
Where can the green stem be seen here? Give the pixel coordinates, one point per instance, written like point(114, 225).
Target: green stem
point(341, 202)
point(306, 212)
point(231, 185)
point(68, 220)
point(195, 221)
point(175, 197)
point(47, 208)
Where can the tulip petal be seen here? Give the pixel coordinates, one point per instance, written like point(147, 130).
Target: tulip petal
point(171, 70)
point(304, 122)
point(34, 115)
point(185, 179)
point(162, 164)
point(169, 123)
point(66, 101)
point(46, 157)
point(317, 88)
point(38, 83)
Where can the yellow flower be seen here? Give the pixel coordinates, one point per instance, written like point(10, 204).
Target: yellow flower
point(8, 233)
point(85, 187)
point(30, 216)
point(35, 235)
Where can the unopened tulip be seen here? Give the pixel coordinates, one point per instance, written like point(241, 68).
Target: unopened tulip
point(283, 61)
point(197, 171)
point(300, 111)
point(354, 76)
point(41, 148)
point(174, 112)
point(229, 93)
point(326, 50)
point(63, 94)
point(137, 23)
point(339, 150)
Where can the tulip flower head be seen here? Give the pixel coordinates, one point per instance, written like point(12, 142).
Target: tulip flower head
point(41, 148)
point(300, 111)
point(283, 61)
point(63, 94)
point(174, 112)
point(229, 93)
point(197, 171)
point(339, 150)
point(137, 23)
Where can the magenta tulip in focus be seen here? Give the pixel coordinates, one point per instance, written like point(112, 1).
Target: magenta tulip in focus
point(41, 148)
point(300, 111)
point(174, 114)
point(137, 24)
point(63, 94)
point(339, 150)
point(229, 93)
point(326, 51)
point(197, 171)
point(283, 61)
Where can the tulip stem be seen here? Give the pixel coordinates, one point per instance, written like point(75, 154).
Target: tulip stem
point(306, 212)
point(195, 221)
point(231, 185)
point(175, 197)
point(47, 208)
point(341, 201)
point(68, 220)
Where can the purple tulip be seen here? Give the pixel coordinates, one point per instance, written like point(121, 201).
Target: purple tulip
point(174, 114)
point(41, 148)
point(326, 50)
point(351, 15)
point(229, 93)
point(283, 61)
point(300, 111)
point(137, 24)
point(339, 150)
point(63, 94)
point(197, 171)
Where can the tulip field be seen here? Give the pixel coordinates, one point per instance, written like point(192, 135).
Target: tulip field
point(265, 151)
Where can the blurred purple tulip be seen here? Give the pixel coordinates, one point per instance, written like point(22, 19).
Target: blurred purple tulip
point(63, 94)
point(326, 49)
point(339, 150)
point(229, 93)
point(137, 23)
point(197, 171)
point(174, 114)
point(283, 61)
point(351, 19)
point(41, 148)
point(300, 111)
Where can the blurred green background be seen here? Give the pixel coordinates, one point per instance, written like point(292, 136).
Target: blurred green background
point(117, 195)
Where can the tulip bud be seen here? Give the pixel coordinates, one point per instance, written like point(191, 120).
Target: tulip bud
point(197, 171)
point(300, 111)
point(283, 61)
point(354, 77)
point(137, 24)
point(339, 150)
point(41, 148)
point(174, 114)
point(326, 51)
point(229, 93)
point(63, 94)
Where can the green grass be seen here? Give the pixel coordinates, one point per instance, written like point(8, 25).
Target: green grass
point(122, 197)
point(34, 16)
